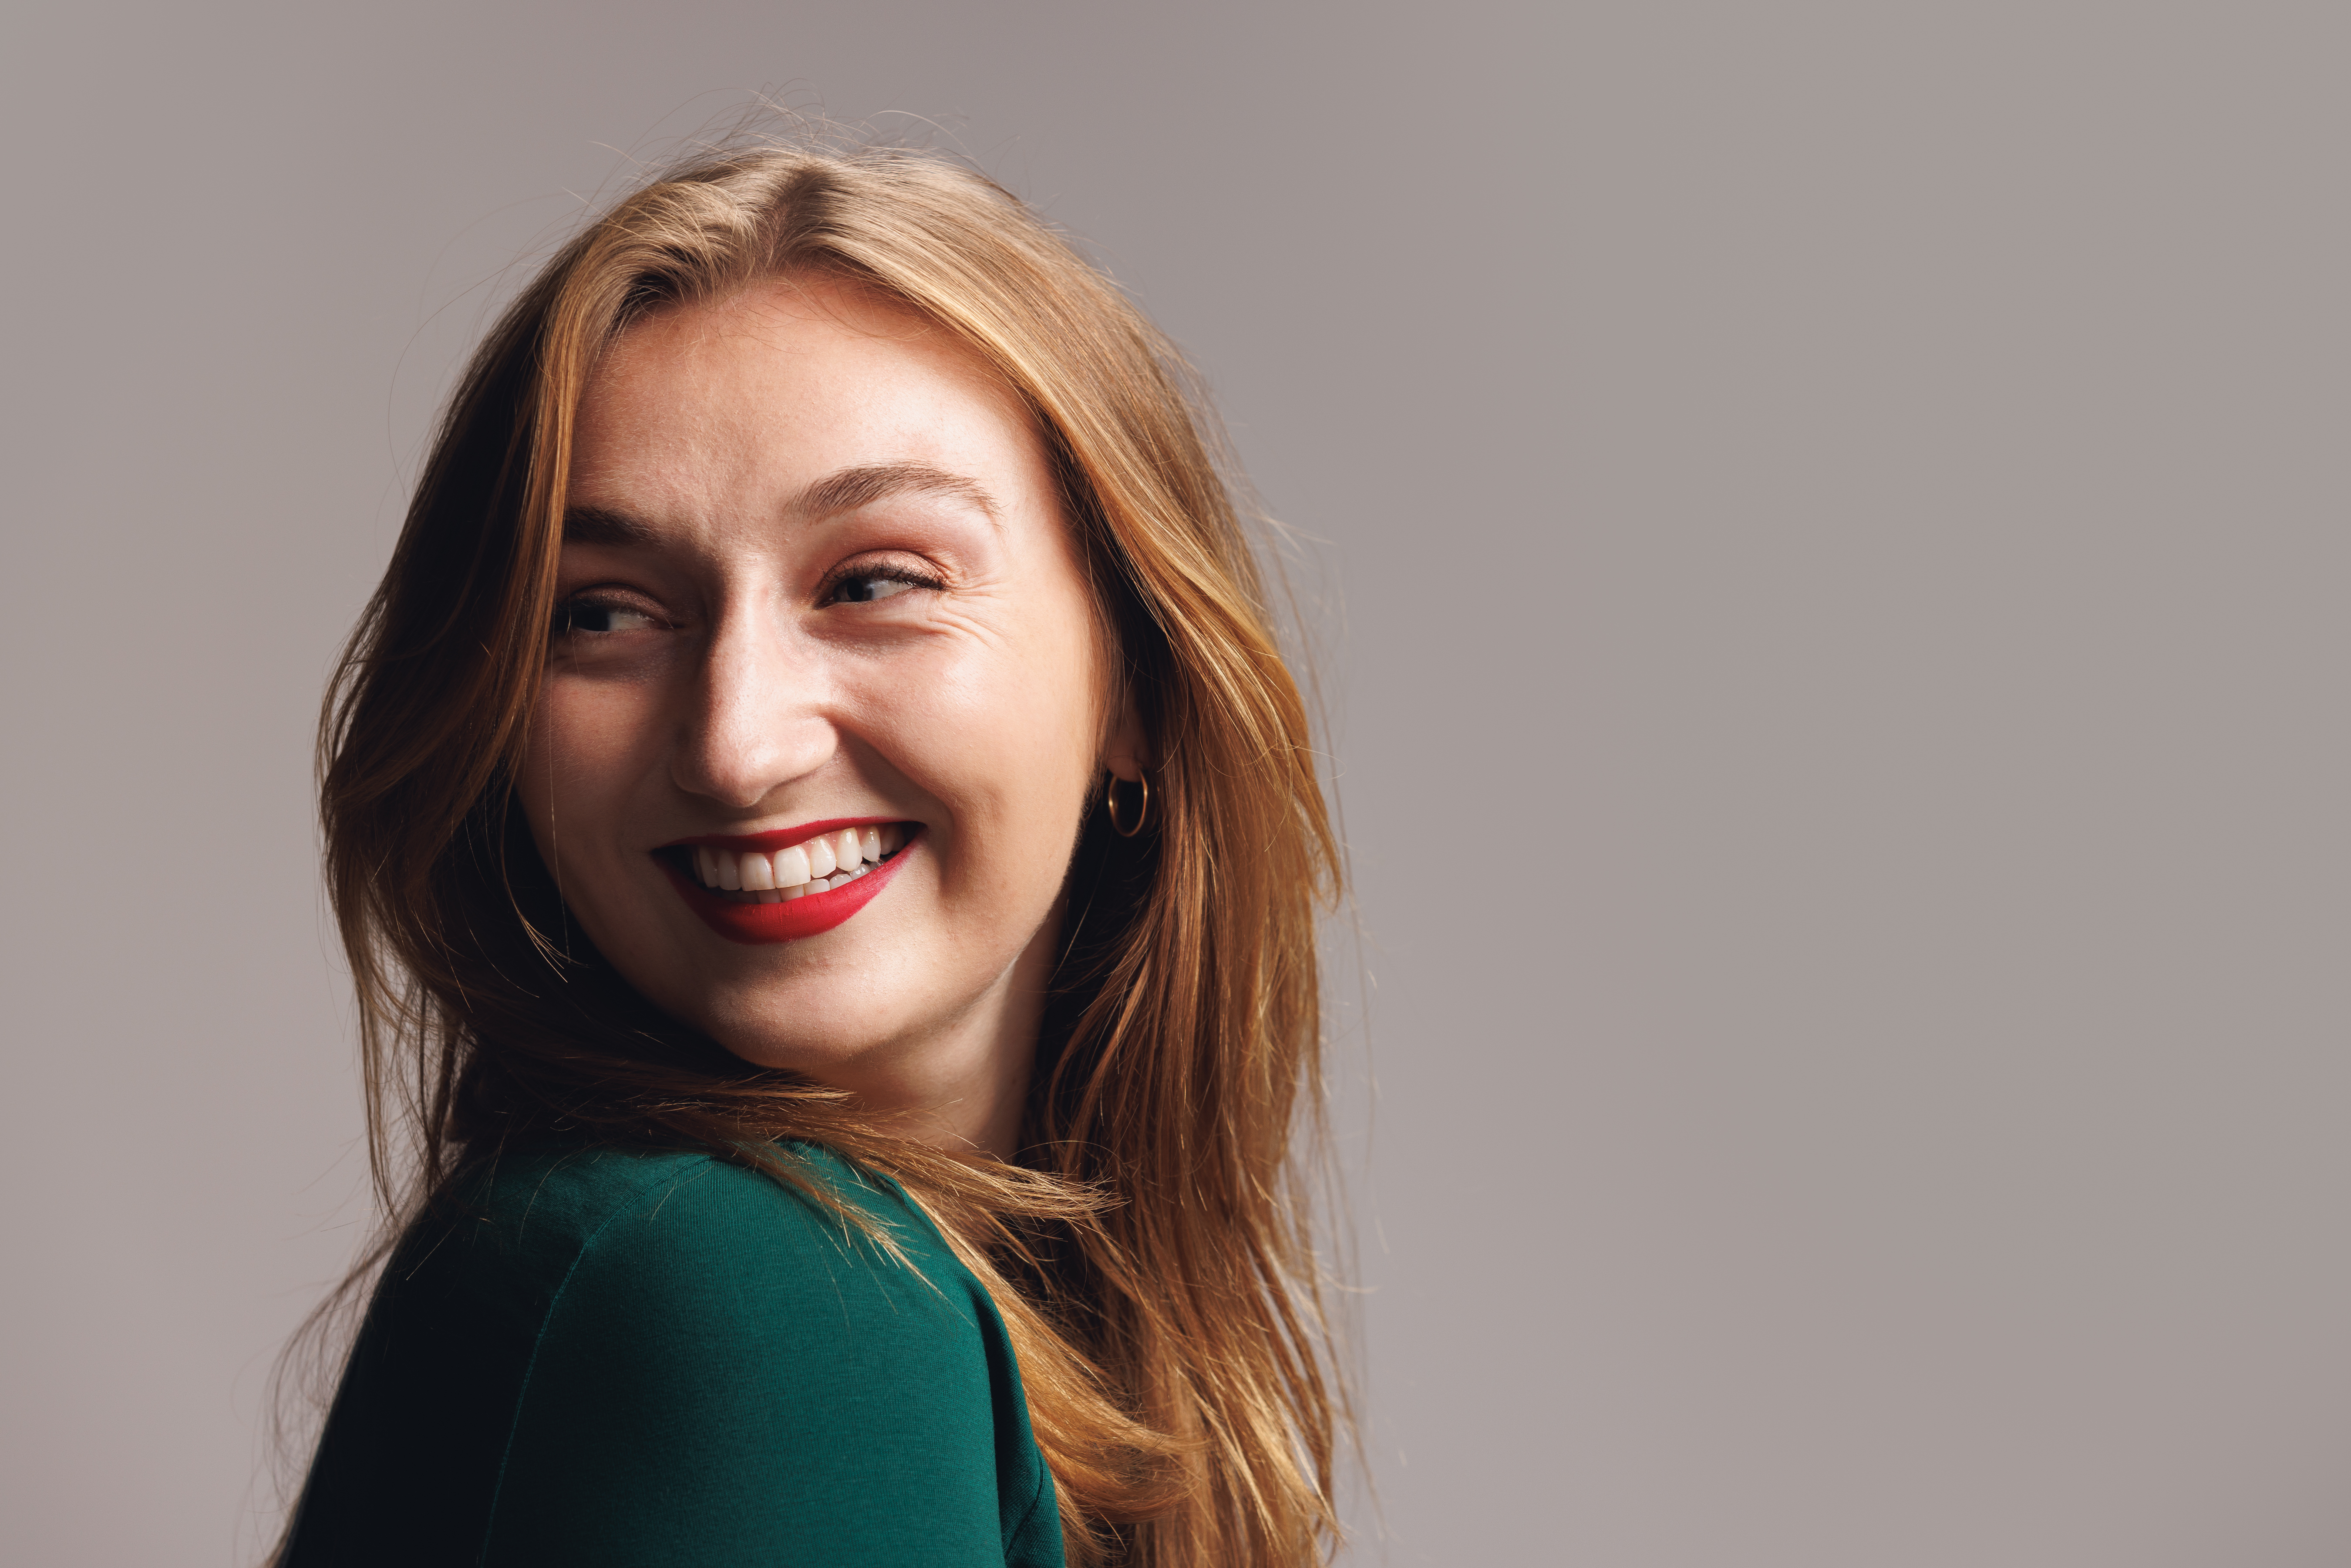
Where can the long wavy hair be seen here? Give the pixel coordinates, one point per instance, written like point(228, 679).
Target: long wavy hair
point(1151, 1249)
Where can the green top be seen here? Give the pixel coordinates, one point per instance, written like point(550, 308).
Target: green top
point(605, 1357)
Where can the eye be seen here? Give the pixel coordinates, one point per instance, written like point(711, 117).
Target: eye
point(593, 616)
point(865, 589)
point(868, 584)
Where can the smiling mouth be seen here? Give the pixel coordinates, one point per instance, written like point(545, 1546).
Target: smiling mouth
point(817, 864)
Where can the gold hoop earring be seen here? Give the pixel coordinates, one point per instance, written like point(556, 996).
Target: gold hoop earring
point(1110, 804)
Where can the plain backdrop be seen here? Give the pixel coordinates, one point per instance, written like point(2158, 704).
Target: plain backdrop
point(1827, 524)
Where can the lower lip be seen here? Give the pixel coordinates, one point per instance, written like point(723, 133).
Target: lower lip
point(787, 921)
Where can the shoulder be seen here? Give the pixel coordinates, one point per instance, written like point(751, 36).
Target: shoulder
point(669, 1254)
point(603, 1357)
point(566, 1195)
point(725, 1361)
point(665, 1225)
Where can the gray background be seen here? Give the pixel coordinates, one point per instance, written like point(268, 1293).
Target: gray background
point(1832, 556)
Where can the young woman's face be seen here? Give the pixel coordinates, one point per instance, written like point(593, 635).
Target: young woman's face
point(819, 604)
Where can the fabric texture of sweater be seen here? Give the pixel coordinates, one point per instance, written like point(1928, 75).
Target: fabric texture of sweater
point(599, 1357)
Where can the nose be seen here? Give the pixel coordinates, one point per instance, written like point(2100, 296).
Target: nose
point(755, 718)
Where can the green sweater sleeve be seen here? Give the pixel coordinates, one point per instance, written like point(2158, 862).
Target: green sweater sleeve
point(665, 1359)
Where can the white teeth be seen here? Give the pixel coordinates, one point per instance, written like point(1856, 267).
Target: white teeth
point(814, 865)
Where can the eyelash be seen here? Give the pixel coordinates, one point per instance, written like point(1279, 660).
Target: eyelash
point(907, 575)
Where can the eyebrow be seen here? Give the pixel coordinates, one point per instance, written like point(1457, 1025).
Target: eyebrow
point(598, 526)
point(854, 488)
point(828, 497)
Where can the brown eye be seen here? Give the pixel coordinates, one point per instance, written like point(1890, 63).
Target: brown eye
point(875, 583)
point(592, 618)
point(865, 589)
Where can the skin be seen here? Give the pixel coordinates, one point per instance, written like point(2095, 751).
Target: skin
point(740, 661)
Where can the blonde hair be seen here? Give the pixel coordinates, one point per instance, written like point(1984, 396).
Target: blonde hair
point(1151, 1254)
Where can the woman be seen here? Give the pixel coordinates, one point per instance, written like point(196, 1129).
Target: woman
point(828, 848)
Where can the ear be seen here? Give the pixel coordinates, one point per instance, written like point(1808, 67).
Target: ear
point(1127, 753)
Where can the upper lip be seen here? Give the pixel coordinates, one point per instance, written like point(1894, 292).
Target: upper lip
point(776, 839)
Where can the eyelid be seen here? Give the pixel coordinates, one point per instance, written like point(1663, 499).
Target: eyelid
point(906, 568)
point(613, 593)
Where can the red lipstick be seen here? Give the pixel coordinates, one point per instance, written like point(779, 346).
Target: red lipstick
point(792, 919)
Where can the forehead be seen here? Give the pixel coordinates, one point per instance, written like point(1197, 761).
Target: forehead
point(782, 384)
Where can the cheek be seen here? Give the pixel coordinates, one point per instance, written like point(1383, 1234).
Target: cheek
point(588, 740)
point(1005, 739)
